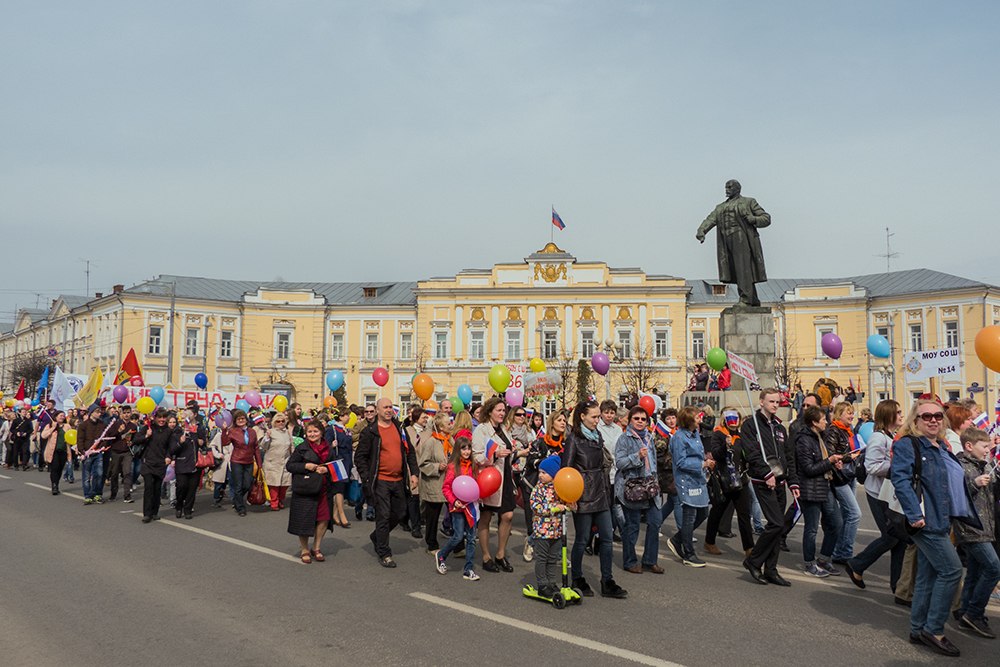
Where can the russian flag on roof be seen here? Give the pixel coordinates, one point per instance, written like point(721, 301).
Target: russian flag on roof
point(557, 221)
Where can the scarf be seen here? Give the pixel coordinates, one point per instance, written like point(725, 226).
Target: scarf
point(642, 435)
point(445, 443)
point(465, 467)
point(321, 449)
point(733, 437)
point(590, 435)
point(554, 444)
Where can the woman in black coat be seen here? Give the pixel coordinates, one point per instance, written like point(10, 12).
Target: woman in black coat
point(184, 453)
point(311, 510)
point(156, 443)
point(815, 465)
point(584, 450)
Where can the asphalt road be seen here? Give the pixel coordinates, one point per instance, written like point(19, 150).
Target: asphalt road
point(94, 585)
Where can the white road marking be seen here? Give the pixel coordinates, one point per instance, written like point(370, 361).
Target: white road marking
point(49, 488)
point(5, 477)
point(230, 540)
point(582, 642)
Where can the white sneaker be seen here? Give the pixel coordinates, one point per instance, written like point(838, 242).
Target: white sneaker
point(529, 552)
point(471, 575)
point(439, 563)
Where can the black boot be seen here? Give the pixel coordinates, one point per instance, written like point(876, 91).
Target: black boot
point(609, 589)
point(584, 588)
point(55, 489)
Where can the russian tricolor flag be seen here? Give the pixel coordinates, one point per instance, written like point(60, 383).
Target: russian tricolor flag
point(557, 221)
point(661, 429)
point(857, 443)
point(491, 449)
point(472, 513)
point(981, 421)
point(395, 410)
point(338, 472)
point(338, 427)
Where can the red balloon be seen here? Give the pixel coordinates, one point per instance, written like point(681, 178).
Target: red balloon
point(380, 376)
point(648, 404)
point(489, 480)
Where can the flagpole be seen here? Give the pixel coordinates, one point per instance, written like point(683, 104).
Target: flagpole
point(552, 231)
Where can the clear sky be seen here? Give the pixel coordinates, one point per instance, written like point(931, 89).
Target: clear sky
point(338, 141)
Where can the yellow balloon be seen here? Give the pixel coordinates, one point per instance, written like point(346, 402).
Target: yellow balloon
point(145, 405)
point(280, 403)
point(536, 365)
point(352, 420)
point(70, 437)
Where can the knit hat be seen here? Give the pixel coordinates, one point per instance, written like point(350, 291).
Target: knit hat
point(550, 465)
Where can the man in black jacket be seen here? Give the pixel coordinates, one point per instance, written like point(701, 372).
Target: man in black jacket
point(20, 440)
point(765, 448)
point(387, 465)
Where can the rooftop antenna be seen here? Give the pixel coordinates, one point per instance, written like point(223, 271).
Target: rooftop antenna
point(889, 254)
point(87, 272)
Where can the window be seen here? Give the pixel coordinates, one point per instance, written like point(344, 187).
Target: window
point(406, 346)
point(884, 332)
point(625, 340)
point(549, 406)
point(440, 344)
point(283, 346)
point(370, 399)
point(661, 345)
point(191, 342)
point(587, 344)
point(951, 334)
point(550, 342)
point(820, 332)
point(916, 338)
point(371, 346)
point(513, 345)
point(477, 398)
point(369, 292)
point(404, 401)
point(954, 395)
point(718, 290)
point(477, 345)
point(337, 346)
point(697, 344)
point(226, 344)
point(883, 396)
point(916, 395)
point(155, 337)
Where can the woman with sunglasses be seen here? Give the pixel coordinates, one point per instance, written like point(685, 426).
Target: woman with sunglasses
point(635, 458)
point(276, 447)
point(921, 456)
point(731, 472)
point(888, 419)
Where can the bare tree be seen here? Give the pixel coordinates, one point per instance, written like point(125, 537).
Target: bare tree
point(786, 363)
point(29, 366)
point(639, 373)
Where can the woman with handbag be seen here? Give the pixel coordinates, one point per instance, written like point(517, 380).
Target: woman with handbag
point(584, 450)
point(493, 446)
point(276, 447)
point(815, 465)
point(245, 455)
point(311, 511)
point(690, 465)
point(731, 474)
point(839, 436)
point(638, 491)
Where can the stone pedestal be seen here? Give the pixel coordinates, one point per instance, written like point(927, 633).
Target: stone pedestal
point(749, 332)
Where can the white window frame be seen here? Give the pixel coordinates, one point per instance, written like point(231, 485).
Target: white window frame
point(588, 344)
point(822, 330)
point(189, 339)
point(916, 338)
point(661, 336)
point(338, 346)
point(477, 339)
point(550, 338)
point(948, 334)
point(626, 343)
point(440, 345)
point(512, 344)
point(157, 339)
point(226, 345)
point(370, 353)
point(694, 347)
point(278, 333)
point(406, 345)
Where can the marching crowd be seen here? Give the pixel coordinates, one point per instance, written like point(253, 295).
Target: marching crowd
point(929, 478)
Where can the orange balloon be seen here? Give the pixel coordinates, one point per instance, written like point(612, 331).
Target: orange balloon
point(988, 347)
point(423, 386)
point(330, 401)
point(431, 405)
point(569, 484)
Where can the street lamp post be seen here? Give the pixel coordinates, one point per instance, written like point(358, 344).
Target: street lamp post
point(613, 350)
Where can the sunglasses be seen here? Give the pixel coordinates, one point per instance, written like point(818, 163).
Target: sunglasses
point(637, 418)
point(932, 416)
point(466, 447)
point(518, 414)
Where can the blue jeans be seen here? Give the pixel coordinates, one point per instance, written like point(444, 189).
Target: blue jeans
point(461, 531)
point(92, 475)
point(756, 515)
point(938, 572)
point(582, 523)
point(241, 475)
point(851, 514)
point(884, 542)
point(68, 471)
point(630, 535)
point(981, 578)
point(693, 517)
point(828, 513)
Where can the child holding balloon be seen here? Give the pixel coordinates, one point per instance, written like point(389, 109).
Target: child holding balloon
point(548, 524)
point(461, 494)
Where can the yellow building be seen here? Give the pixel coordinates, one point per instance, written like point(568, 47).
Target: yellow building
point(246, 334)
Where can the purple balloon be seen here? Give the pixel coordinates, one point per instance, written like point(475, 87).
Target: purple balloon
point(600, 363)
point(514, 397)
point(171, 474)
point(120, 393)
point(832, 345)
point(253, 398)
point(465, 489)
point(227, 418)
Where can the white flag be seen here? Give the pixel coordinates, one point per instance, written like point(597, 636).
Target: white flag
point(62, 392)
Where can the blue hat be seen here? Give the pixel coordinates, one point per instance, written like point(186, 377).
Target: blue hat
point(550, 465)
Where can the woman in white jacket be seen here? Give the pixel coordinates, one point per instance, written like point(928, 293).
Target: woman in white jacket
point(277, 447)
point(220, 476)
point(502, 502)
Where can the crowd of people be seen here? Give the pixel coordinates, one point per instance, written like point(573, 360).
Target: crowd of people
point(929, 479)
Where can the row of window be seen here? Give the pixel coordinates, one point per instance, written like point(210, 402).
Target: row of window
point(916, 332)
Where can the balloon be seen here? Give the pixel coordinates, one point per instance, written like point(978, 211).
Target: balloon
point(157, 394)
point(70, 437)
point(201, 380)
point(329, 401)
point(457, 404)
point(334, 380)
point(280, 403)
point(465, 394)
point(145, 405)
point(431, 405)
point(600, 363)
point(352, 420)
point(514, 397)
point(136, 381)
point(465, 488)
point(9, 402)
point(35, 402)
point(380, 376)
point(253, 398)
point(658, 401)
point(865, 431)
point(831, 345)
point(489, 481)
point(536, 365)
point(120, 393)
point(423, 386)
point(220, 421)
point(648, 404)
point(171, 474)
point(716, 358)
point(569, 484)
point(499, 378)
point(878, 346)
point(242, 405)
point(988, 347)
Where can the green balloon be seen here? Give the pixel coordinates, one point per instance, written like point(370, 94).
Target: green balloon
point(456, 404)
point(716, 358)
point(499, 378)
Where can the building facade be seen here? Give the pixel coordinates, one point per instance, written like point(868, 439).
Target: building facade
point(245, 334)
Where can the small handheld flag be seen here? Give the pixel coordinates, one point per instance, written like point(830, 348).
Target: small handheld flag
point(472, 513)
point(981, 421)
point(491, 449)
point(395, 410)
point(798, 512)
point(661, 429)
point(338, 427)
point(338, 472)
point(557, 221)
point(857, 443)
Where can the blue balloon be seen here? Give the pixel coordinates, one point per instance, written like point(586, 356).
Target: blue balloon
point(878, 346)
point(334, 380)
point(201, 380)
point(242, 405)
point(866, 430)
point(157, 394)
point(35, 402)
point(465, 393)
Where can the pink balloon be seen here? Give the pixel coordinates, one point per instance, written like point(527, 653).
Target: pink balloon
point(832, 345)
point(465, 489)
point(600, 363)
point(120, 393)
point(253, 398)
point(380, 376)
point(514, 397)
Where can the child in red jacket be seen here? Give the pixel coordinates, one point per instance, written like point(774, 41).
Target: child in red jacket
point(463, 516)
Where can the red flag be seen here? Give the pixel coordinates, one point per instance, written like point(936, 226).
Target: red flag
point(19, 396)
point(130, 368)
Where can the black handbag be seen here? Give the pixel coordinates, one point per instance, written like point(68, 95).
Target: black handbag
point(308, 484)
point(716, 496)
point(641, 489)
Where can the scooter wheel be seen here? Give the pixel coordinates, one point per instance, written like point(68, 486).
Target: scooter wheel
point(579, 595)
point(558, 601)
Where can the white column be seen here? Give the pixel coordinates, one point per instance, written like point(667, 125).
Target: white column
point(568, 324)
point(531, 335)
point(459, 333)
point(495, 326)
point(642, 327)
point(606, 323)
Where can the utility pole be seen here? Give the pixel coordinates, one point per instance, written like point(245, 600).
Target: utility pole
point(86, 272)
point(889, 254)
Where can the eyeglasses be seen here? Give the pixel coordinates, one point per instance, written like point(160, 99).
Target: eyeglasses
point(932, 416)
point(518, 414)
point(466, 446)
point(637, 418)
